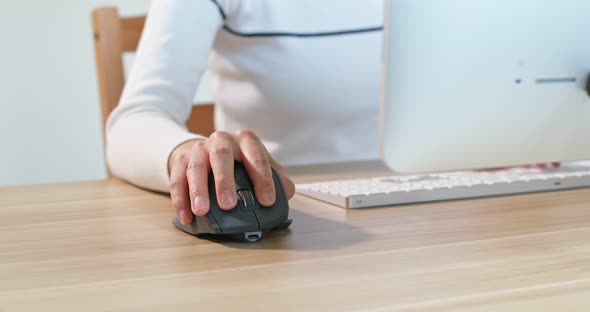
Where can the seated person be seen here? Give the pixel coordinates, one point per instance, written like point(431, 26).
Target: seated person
point(294, 82)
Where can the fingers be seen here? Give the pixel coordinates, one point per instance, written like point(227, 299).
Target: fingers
point(179, 191)
point(197, 173)
point(222, 152)
point(257, 166)
point(287, 182)
point(191, 163)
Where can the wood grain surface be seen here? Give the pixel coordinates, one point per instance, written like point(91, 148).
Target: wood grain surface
point(108, 246)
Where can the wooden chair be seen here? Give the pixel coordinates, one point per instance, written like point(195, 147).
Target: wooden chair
point(113, 36)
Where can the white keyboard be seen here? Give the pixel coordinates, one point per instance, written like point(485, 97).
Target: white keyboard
point(408, 189)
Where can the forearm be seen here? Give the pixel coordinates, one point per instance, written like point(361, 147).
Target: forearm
point(149, 122)
point(139, 146)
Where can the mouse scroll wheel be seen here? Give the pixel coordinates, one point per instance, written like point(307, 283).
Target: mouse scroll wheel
point(247, 198)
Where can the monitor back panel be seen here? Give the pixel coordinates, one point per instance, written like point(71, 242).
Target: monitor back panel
point(478, 84)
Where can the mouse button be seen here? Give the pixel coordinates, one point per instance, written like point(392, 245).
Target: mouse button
point(241, 177)
point(246, 200)
point(214, 215)
point(237, 221)
point(271, 217)
point(207, 224)
point(243, 182)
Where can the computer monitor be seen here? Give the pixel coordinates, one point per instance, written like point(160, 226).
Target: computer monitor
point(487, 83)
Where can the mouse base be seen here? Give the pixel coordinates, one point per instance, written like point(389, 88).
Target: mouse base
point(189, 229)
point(247, 237)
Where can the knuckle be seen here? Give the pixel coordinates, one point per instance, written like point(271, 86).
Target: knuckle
point(174, 183)
point(181, 159)
point(246, 132)
point(220, 149)
point(197, 164)
point(177, 203)
point(197, 188)
point(260, 162)
point(219, 136)
point(193, 191)
point(199, 145)
point(224, 182)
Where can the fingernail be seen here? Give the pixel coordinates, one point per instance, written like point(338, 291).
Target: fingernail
point(227, 200)
point(184, 217)
point(201, 205)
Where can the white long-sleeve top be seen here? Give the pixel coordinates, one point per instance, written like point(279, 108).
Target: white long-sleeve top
point(304, 75)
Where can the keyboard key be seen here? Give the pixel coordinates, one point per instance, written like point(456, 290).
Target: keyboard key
point(407, 189)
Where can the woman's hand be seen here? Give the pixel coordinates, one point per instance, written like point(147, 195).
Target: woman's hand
point(190, 164)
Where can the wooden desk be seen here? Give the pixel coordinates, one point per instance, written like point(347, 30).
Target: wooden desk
point(98, 246)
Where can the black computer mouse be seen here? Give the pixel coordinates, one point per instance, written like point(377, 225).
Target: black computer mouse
point(248, 221)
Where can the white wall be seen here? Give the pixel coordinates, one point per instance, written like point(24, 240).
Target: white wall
point(49, 108)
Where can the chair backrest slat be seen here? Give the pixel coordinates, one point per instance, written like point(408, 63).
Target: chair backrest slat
point(113, 36)
point(131, 29)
